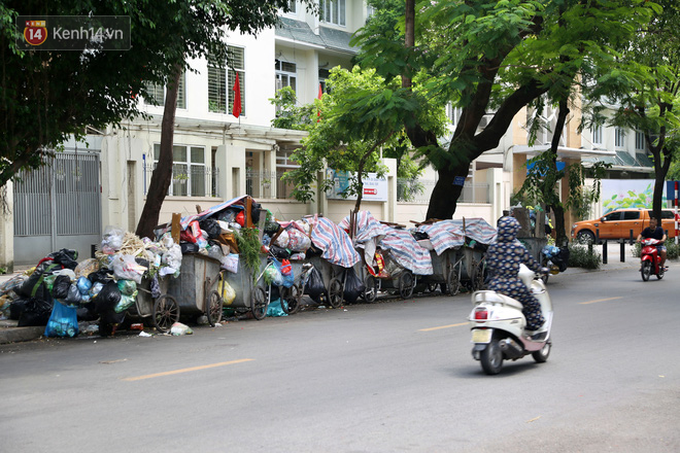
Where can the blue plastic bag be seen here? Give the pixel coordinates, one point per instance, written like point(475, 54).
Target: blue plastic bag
point(63, 321)
point(275, 309)
point(286, 280)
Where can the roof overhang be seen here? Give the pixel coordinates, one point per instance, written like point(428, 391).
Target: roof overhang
point(563, 151)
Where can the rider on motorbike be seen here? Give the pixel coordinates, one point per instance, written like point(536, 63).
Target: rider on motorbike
point(653, 231)
point(503, 258)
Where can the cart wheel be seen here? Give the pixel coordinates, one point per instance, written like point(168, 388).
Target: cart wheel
point(335, 293)
point(452, 281)
point(292, 298)
point(214, 308)
point(406, 284)
point(259, 303)
point(165, 312)
point(479, 277)
point(370, 289)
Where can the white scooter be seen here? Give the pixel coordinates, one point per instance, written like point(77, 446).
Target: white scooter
point(498, 324)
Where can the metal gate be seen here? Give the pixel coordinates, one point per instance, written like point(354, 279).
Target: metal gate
point(57, 206)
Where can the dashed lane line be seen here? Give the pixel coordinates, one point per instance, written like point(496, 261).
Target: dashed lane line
point(186, 370)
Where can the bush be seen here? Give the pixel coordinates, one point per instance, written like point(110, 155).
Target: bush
point(672, 250)
point(582, 255)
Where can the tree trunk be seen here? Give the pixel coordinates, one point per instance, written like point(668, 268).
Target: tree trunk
point(162, 174)
point(447, 191)
point(558, 208)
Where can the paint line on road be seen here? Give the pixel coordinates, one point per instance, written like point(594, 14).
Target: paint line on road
point(445, 327)
point(600, 300)
point(187, 370)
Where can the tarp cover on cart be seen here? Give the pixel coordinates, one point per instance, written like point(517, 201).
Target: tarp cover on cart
point(333, 241)
point(447, 234)
point(405, 249)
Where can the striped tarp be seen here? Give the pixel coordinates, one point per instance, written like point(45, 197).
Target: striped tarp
point(448, 234)
point(405, 249)
point(367, 227)
point(333, 241)
point(407, 252)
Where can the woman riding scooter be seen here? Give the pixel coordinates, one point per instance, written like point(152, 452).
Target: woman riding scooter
point(503, 258)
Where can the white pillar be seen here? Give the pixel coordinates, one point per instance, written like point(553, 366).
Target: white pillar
point(7, 228)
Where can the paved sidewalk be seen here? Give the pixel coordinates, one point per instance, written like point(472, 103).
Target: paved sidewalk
point(10, 333)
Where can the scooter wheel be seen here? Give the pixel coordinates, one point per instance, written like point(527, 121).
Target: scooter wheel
point(646, 270)
point(491, 358)
point(542, 355)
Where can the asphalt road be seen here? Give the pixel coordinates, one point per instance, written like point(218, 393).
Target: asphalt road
point(389, 377)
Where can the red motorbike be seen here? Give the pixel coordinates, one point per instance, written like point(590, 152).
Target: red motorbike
point(650, 259)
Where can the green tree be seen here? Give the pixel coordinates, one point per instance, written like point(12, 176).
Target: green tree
point(643, 86)
point(359, 117)
point(492, 58)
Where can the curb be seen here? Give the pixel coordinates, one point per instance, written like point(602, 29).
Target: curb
point(19, 334)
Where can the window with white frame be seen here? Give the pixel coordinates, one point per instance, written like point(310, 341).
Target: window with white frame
point(189, 171)
point(619, 137)
point(597, 134)
point(292, 5)
point(286, 74)
point(332, 11)
point(639, 140)
point(221, 79)
point(157, 93)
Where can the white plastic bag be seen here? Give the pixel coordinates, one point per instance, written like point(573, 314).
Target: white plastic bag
point(126, 268)
point(172, 260)
point(112, 240)
point(230, 262)
point(282, 240)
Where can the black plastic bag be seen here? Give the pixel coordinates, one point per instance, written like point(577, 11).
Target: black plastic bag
point(315, 287)
point(107, 298)
point(101, 276)
point(211, 227)
point(279, 252)
point(36, 313)
point(73, 298)
point(35, 286)
point(354, 287)
point(255, 212)
point(16, 308)
point(65, 257)
point(313, 251)
point(61, 286)
point(188, 247)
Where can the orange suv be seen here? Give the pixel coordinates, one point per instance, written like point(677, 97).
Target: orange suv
point(618, 225)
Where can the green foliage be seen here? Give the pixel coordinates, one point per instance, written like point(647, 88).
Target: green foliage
point(540, 185)
point(361, 116)
point(672, 249)
point(582, 255)
point(249, 245)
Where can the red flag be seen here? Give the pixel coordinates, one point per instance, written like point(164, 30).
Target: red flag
point(318, 113)
point(236, 109)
